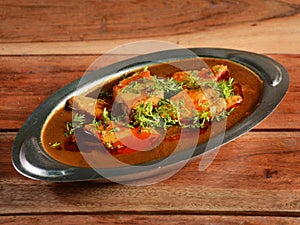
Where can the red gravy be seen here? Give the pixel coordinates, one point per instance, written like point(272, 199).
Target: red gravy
point(54, 128)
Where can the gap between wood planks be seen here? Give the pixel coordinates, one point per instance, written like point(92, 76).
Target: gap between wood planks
point(167, 212)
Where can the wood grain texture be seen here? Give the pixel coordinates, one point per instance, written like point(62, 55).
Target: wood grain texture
point(95, 27)
point(35, 21)
point(149, 219)
point(255, 174)
point(47, 44)
point(28, 81)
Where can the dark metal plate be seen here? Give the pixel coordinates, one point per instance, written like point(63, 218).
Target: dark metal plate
point(28, 155)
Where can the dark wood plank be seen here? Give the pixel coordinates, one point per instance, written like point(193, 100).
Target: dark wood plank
point(150, 219)
point(28, 81)
point(287, 113)
point(47, 44)
point(256, 174)
point(40, 21)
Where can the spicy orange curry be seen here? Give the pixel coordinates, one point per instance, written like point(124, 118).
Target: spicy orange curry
point(139, 117)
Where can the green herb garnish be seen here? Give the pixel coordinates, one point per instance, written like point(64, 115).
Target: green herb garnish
point(227, 87)
point(166, 113)
point(106, 118)
point(55, 145)
point(77, 122)
point(170, 86)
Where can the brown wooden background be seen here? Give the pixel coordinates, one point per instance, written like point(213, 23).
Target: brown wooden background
point(255, 179)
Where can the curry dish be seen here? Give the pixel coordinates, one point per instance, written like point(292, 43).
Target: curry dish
point(141, 116)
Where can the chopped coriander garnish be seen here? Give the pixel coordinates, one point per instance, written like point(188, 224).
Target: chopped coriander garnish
point(115, 129)
point(55, 145)
point(169, 85)
point(77, 122)
point(230, 111)
point(167, 113)
point(132, 87)
point(96, 123)
point(226, 87)
point(144, 116)
point(106, 118)
point(104, 95)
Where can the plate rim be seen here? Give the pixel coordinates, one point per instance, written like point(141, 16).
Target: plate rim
point(244, 58)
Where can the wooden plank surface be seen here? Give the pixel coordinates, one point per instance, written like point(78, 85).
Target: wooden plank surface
point(46, 44)
point(257, 173)
point(28, 21)
point(150, 219)
point(94, 27)
point(27, 81)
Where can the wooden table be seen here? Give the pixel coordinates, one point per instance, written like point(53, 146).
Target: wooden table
point(255, 179)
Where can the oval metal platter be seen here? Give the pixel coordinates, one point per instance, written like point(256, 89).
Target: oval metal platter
point(28, 155)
